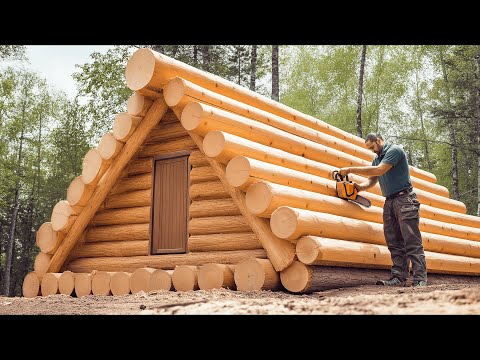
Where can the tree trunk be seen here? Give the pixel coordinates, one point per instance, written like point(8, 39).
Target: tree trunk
point(275, 75)
point(451, 130)
point(205, 57)
point(253, 68)
point(13, 219)
point(360, 92)
point(420, 112)
point(477, 57)
point(239, 66)
point(195, 55)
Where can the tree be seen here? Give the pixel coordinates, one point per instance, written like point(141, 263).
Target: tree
point(253, 69)
point(360, 92)
point(275, 73)
point(12, 52)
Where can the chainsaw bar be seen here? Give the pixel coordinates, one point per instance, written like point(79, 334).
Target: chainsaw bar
point(361, 201)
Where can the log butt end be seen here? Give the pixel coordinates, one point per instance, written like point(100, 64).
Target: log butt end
point(173, 92)
point(213, 143)
point(258, 198)
point(296, 278)
point(31, 285)
point(184, 278)
point(283, 222)
point(140, 68)
point(249, 275)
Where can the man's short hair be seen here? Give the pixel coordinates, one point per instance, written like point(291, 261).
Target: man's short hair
point(373, 137)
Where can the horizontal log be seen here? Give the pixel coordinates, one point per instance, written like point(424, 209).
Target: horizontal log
point(126, 232)
point(197, 158)
point(292, 223)
point(132, 183)
point(129, 199)
point(63, 216)
point(208, 190)
point(263, 198)
point(241, 169)
point(138, 105)
point(216, 276)
point(224, 242)
point(218, 224)
point(112, 248)
point(78, 193)
point(31, 285)
point(136, 215)
point(124, 126)
point(165, 132)
point(168, 261)
point(109, 147)
point(201, 118)
point(94, 167)
point(256, 274)
point(47, 239)
point(213, 207)
point(140, 166)
point(183, 143)
point(323, 251)
point(202, 174)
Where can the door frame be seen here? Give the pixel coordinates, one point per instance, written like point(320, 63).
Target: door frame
point(170, 155)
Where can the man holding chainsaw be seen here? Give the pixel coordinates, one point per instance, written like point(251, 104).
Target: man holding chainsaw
point(400, 211)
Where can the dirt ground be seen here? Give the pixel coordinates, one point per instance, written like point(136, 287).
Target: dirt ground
point(433, 299)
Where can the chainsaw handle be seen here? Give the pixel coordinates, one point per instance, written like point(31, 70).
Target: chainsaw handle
point(336, 176)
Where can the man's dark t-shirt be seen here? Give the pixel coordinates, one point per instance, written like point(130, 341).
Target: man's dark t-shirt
point(398, 177)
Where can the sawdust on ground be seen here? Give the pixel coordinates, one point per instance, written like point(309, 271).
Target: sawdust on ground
point(433, 299)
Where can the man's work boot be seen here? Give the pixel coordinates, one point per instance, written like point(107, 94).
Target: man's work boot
point(419, 283)
point(393, 281)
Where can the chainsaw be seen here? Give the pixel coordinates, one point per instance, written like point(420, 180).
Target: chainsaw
point(347, 190)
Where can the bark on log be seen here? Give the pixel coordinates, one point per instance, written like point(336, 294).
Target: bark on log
point(185, 278)
point(256, 274)
point(83, 284)
point(224, 242)
point(140, 280)
point(218, 224)
point(168, 261)
point(216, 276)
point(47, 239)
point(161, 280)
point(127, 232)
point(131, 199)
point(112, 248)
point(120, 283)
point(124, 126)
point(31, 285)
point(109, 147)
point(208, 190)
point(213, 207)
point(136, 215)
point(292, 223)
point(138, 105)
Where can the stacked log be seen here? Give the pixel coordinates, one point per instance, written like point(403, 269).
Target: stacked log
point(66, 283)
point(185, 278)
point(120, 283)
point(50, 284)
point(161, 280)
point(83, 284)
point(31, 285)
point(256, 274)
point(216, 276)
point(140, 280)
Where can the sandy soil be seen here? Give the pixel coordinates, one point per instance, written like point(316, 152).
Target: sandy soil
point(433, 299)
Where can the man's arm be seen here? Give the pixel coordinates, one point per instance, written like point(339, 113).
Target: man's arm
point(371, 181)
point(378, 170)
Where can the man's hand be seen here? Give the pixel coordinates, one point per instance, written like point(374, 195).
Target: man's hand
point(344, 171)
point(358, 187)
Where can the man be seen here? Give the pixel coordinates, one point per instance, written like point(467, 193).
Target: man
point(400, 211)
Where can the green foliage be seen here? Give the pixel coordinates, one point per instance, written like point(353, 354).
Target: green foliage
point(12, 52)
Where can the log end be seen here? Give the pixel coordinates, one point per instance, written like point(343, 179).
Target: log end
point(75, 191)
point(45, 237)
point(140, 280)
point(174, 91)
point(61, 213)
point(83, 284)
point(184, 278)
point(296, 278)
point(191, 116)
point(213, 143)
point(258, 198)
point(140, 69)
point(50, 284)
point(101, 283)
point(210, 276)
point(238, 171)
point(120, 283)
point(31, 285)
point(307, 250)
point(108, 146)
point(161, 280)
point(137, 104)
point(42, 261)
point(66, 283)
point(92, 162)
point(249, 275)
point(283, 222)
